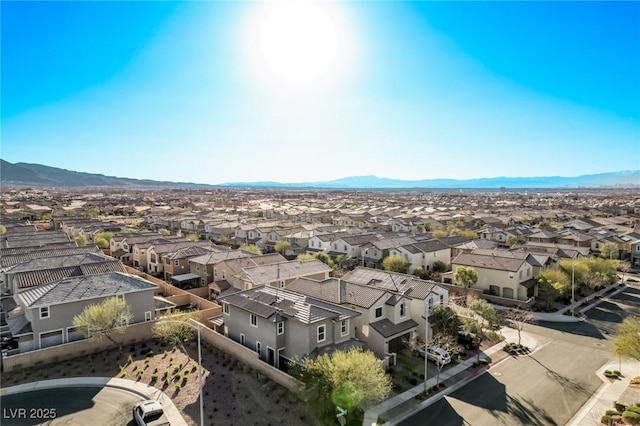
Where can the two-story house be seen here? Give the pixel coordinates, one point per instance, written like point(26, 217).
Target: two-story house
point(424, 254)
point(285, 326)
point(508, 277)
point(44, 315)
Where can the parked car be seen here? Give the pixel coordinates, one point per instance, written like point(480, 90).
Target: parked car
point(437, 355)
point(149, 413)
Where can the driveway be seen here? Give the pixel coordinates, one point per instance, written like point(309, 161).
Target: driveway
point(69, 406)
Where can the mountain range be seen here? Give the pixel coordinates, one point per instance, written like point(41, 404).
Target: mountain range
point(40, 175)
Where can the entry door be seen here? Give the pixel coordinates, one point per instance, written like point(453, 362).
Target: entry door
point(270, 357)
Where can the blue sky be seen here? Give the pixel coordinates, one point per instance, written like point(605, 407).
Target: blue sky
point(216, 92)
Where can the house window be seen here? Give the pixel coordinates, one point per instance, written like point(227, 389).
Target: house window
point(344, 327)
point(176, 263)
point(378, 312)
point(44, 312)
point(258, 347)
point(242, 339)
point(403, 309)
point(254, 320)
point(281, 327)
point(225, 308)
point(223, 277)
point(322, 335)
point(147, 316)
point(430, 301)
point(198, 268)
point(215, 272)
point(442, 299)
point(282, 284)
point(345, 247)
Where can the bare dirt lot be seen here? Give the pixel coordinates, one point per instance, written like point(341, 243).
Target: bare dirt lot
point(234, 394)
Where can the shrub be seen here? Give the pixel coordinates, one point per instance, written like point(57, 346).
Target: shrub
point(607, 420)
point(154, 377)
point(631, 417)
point(634, 409)
point(413, 381)
point(616, 372)
point(612, 413)
point(184, 380)
point(176, 369)
point(178, 387)
point(130, 359)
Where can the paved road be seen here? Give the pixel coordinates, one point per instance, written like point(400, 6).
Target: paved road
point(69, 406)
point(546, 388)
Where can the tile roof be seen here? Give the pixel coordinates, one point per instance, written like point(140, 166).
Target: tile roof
point(266, 302)
point(489, 262)
point(60, 262)
point(265, 274)
point(16, 259)
point(86, 287)
point(404, 284)
point(388, 329)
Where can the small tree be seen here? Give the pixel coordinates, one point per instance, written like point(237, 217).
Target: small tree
point(251, 248)
point(553, 283)
point(447, 342)
point(164, 231)
point(80, 240)
point(282, 246)
point(326, 259)
point(104, 319)
point(420, 273)
point(481, 318)
point(353, 380)
point(395, 263)
point(3, 230)
point(511, 240)
point(609, 251)
point(519, 317)
point(101, 243)
point(626, 343)
point(465, 276)
point(175, 329)
point(193, 236)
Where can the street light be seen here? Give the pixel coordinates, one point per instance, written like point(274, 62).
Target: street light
point(197, 327)
point(426, 337)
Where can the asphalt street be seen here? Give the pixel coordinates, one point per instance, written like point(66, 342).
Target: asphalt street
point(69, 406)
point(545, 388)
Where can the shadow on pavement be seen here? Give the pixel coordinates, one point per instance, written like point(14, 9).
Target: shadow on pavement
point(440, 413)
point(577, 328)
point(566, 383)
point(506, 409)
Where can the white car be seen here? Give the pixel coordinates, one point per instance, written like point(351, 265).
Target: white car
point(437, 355)
point(149, 413)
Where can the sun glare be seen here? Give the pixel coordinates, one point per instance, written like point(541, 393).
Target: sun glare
point(298, 41)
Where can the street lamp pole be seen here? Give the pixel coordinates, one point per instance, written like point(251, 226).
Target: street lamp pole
point(197, 327)
point(426, 338)
point(573, 292)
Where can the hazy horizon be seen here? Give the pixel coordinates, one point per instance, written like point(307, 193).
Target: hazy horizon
point(218, 92)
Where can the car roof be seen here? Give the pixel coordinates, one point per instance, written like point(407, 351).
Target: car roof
point(149, 406)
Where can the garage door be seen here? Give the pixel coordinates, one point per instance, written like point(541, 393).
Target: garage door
point(50, 339)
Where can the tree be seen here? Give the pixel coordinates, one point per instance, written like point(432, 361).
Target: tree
point(439, 266)
point(164, 231)
point(326, 259)
point(101, 243)
point(193, 236)
point(609, 251)
point(481, 318)
point(282, 246)
point(80, 240)
point(395, 263)
point(420, 273)
point(465, 276)
point(353, 380)
point(519, 317)
point(627, 340)
point(104, 319)
point(447, 342)
point(176, 329)
point(3, 230)
point(511, 240)
point(251, 248)
point(553, 283)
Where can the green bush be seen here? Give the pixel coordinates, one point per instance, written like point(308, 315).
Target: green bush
point(631, 417)
point(607, 420)
point(613, 413)
point(634, 409)
point(635, 381)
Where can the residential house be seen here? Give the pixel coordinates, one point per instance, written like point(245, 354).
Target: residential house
point(227, 273)
point(424, 254)
point(157, 251)
point(282, 273)
point(283, 326)
point(176, 263)
point(508, 277)
point(43, 316)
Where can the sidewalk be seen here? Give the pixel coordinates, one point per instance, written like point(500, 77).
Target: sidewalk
point(399, 407)
point(610, 392)
point(140, 389)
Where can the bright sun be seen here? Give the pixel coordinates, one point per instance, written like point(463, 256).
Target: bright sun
point(298, 41)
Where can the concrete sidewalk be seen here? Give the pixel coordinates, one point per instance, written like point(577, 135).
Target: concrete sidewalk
point(401, 406)
point(140, 389)
point(610, 392)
